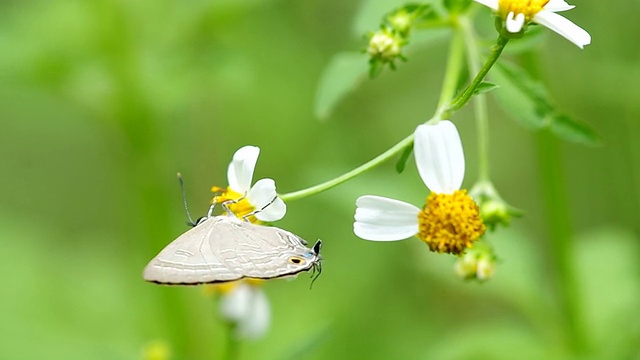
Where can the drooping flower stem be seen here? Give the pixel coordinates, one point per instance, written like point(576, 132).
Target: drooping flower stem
point(480, 101)
point(452, 74)
point(464, 96)
point(396, 149)
point(561, 244)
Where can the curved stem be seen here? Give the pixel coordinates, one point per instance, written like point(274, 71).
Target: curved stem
point(464, 97)
point(454, 64)
point(396, 149)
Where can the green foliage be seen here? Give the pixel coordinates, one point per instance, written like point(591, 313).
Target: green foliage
point(342, 75)
point(402, 162)
point(457, 6)
point(529, 103)
point(102, 102)
point(485, 87)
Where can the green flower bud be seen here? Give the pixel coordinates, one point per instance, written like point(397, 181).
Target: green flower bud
point(493, 210)
point(384, 46)
point(477, 263)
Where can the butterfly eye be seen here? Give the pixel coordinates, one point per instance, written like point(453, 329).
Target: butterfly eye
point(295, 260)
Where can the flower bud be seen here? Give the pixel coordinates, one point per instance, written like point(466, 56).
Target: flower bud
point(384, 46)
point(477, 263)
point(493, 210)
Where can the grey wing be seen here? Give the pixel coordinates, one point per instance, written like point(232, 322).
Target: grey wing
point(264, 252)
point(192, 258)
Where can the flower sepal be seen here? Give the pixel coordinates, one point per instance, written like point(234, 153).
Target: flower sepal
point(477, 263)
point(494, 210)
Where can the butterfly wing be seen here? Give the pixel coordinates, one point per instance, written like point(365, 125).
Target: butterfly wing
point(224, 248)
point(264, 252)
point(189, 259)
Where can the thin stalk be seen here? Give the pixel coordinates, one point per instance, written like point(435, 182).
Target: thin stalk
point(463, 98)
point(232, 348)
point(480, 101)
point(561, 239)
point(396, 149)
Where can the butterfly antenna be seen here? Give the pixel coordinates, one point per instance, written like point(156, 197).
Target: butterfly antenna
point(246, 217)
point(184, 200)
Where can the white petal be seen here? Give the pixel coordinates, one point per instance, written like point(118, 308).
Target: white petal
point(514, 25)
point(234, 305)
point(558, 5)
point(274, 212)
point(564, 27)
point(263, 197)
point(439, 156)
point(257, 319)
point(240, 172)
point(383, 219)
point(490, 3)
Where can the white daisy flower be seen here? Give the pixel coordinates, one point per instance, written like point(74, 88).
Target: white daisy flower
point(244, 304)
point(260, 198)
point(449, 221)
point(517, 13)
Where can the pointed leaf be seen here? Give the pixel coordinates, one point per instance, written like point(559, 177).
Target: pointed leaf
point(344, 73)
point(517, 96)
point(402, 162)
point(529, 102)
point(569, 129)
point(485, 87)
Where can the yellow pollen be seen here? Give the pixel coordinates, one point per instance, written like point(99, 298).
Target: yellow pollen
point(226, 287)
point(527, 7)
point(238, 207)
point(450, 223)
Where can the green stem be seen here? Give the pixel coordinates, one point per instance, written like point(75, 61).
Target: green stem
point(463, 98)
point(396, 149)
point(561, 238)
point(232, 347)
point(454, 64)
point(452, 75)
point(480, 101)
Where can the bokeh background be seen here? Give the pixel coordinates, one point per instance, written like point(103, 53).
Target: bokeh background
point(103, 101)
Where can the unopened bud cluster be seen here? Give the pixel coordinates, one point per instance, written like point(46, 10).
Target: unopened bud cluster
point(493, 210)
point(477, 263)
point(385, 45)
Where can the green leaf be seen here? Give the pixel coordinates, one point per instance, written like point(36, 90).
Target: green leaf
point(371, 12)
point(519, 96)
point(344, 73)
point(529, 103)
point(402, 162)
point(485, 87)
point(565, 127)
point(457, 6)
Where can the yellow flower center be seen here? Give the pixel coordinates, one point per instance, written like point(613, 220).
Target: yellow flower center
point(226, 287)
point(237, 203)
point(529, 8)
point(450, 223)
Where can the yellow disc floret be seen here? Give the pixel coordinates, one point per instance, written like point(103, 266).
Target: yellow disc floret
point(237, 203)
point(529, 8)
point(450, 223)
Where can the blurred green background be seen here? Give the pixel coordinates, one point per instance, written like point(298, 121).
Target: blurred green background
point(103, 101)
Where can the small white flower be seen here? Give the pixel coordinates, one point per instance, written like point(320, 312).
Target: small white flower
point(440, 162)
point(516, 13)
point(261, 196)
point(246, 306)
